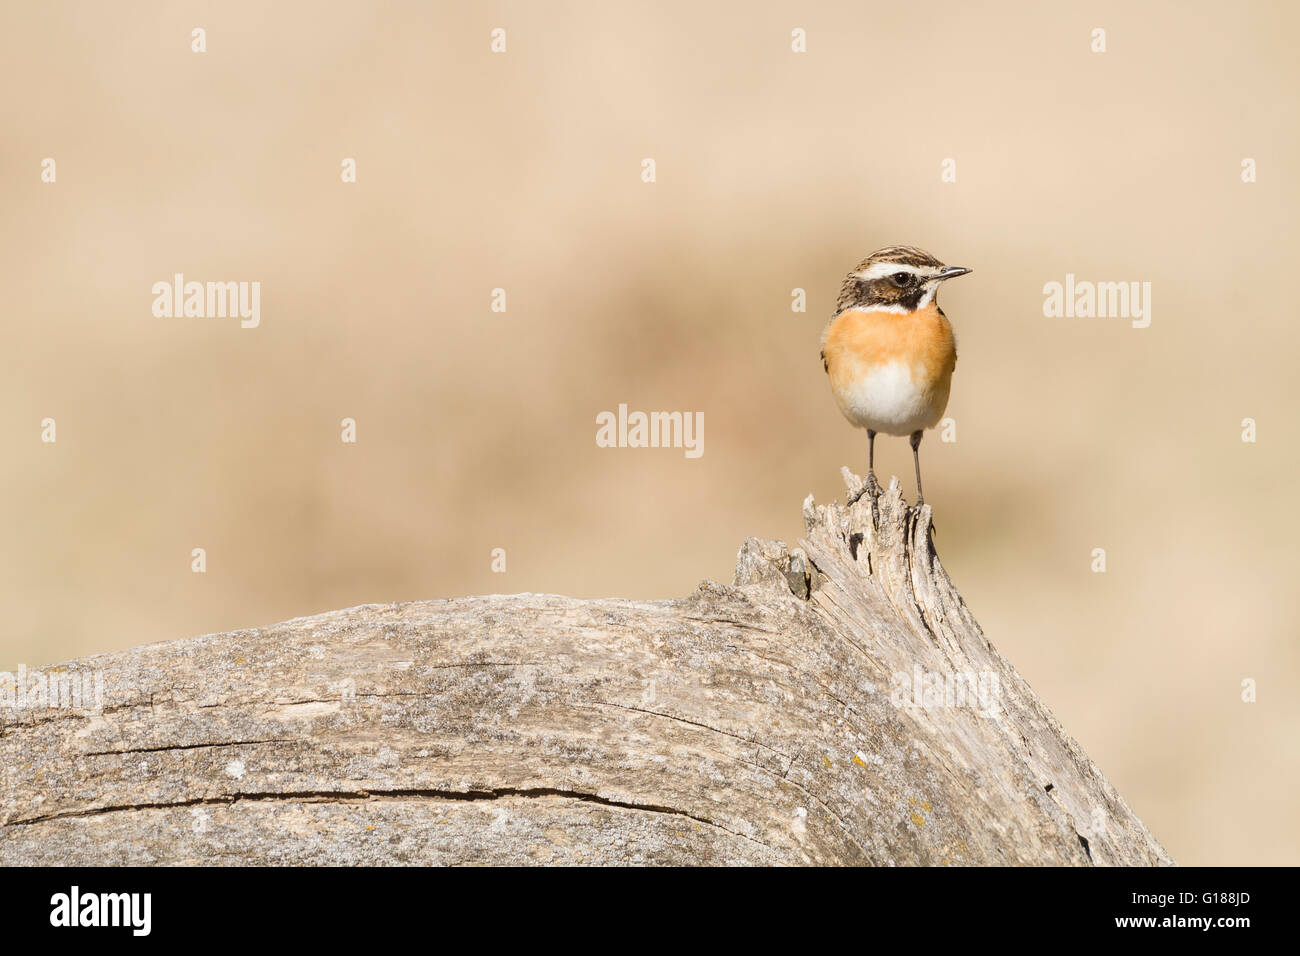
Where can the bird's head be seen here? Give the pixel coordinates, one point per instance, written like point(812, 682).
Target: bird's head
point(898, 279)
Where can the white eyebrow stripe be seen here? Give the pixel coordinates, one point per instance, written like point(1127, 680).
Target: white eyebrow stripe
point(881, 269)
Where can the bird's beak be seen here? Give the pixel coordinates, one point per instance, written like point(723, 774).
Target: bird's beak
point(951, 272)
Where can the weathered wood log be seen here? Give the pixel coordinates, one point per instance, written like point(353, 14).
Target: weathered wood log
point(836, 704)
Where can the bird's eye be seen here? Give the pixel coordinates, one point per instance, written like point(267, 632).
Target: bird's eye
point(902, 279)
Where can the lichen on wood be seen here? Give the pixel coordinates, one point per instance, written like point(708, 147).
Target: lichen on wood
point(836, 703)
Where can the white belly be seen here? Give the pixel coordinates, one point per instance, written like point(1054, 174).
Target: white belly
point(890, 399)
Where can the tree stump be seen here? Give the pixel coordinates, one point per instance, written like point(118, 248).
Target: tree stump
point(836, 704)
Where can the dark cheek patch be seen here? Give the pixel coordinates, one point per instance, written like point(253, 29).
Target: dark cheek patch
point(885, 292)
point(911, 298)
point(878, 292)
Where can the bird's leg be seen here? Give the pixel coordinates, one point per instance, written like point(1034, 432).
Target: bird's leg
point(871, 465)
point(870, 486)
point(871, 479)
point(916, 458)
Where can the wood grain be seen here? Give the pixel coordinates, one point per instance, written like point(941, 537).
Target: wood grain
point(770, 721)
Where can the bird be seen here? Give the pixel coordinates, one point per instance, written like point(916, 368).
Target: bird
point(889, 351)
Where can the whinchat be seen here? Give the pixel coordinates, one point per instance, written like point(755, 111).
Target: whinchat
point(890, 351)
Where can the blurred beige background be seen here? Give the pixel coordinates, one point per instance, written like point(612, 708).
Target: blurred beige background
point(775, 171)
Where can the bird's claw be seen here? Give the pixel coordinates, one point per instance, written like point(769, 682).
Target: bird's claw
point(869, 486)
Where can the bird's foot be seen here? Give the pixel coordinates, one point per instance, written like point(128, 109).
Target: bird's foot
point(870, 486)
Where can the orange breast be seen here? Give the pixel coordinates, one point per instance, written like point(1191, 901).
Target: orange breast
point(918, 350)
point(922, 340)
